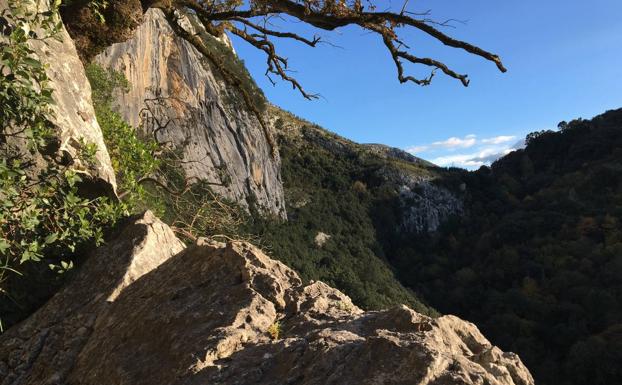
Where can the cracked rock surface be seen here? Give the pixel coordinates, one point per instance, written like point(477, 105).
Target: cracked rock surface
point(145, 310)
point(176, 96)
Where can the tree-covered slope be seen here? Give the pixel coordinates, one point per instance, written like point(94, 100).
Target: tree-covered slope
point(533, 256)
point(331, 187)
point(536, 262)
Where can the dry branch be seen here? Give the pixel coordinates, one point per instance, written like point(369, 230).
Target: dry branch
point(328, 15)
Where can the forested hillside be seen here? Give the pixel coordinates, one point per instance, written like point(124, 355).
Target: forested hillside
point(536, 262)
point(534, 258)
point(331, 185)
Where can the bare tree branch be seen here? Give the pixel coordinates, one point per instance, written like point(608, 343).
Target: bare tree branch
point(330, 15)
point(276, 64)
point(289, 35)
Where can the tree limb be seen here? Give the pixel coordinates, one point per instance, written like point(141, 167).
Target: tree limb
point(329, 15)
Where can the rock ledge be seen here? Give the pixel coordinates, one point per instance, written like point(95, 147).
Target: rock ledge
point(144, 310)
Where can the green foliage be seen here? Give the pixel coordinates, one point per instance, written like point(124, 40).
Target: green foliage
point(333, 191)
point(275, 330)
point(535, 135)
point(24, 95)
point(42, 215)
point(132, 155)
point(537, 262)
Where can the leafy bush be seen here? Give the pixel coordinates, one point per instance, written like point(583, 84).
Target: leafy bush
point(42, 216)
point(132, 154)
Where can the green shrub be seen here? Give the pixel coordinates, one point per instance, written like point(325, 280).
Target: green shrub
point(42, 216)
point(132, 154)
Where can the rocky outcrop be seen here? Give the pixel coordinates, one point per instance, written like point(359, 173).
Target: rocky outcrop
point(143, 311)
point(425, 206)
point(94, 26)
point(73, 114)
point(321, 238)
point(389, 152)
point(202, 117)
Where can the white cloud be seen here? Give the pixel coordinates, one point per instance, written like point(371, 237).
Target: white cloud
point(447, 144)
point(468, 151)
point(499, 139)
point(417, 149)
point(472, 160)
point(455, 142)
point(464, 160)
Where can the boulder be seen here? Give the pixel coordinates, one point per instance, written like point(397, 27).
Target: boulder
point(145, 310)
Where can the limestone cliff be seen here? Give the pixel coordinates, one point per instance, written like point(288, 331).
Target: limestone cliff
point(73, 115)
point(197, 113)
point(143, 310)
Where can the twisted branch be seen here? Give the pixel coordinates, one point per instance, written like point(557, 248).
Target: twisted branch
point(328, 15)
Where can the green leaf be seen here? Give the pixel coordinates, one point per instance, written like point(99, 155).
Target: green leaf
point(33, 62)
point(51, 238)
point(26, 256)
point(4, 245)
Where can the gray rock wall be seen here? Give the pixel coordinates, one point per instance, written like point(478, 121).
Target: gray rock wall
point(221, 142)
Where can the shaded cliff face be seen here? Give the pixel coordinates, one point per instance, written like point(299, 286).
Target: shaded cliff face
point(143, 310)
point(176, 97)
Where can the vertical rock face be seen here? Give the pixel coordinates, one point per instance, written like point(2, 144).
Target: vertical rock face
point(74, 117)
point(144, 311)
point(425, 206)
point(198, 114)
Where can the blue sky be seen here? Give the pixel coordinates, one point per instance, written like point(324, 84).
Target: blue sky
point(564, 60)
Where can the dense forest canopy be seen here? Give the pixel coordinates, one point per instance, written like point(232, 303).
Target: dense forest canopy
point(536, 261)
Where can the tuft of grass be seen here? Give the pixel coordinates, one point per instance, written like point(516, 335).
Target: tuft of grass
point(275, 330)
